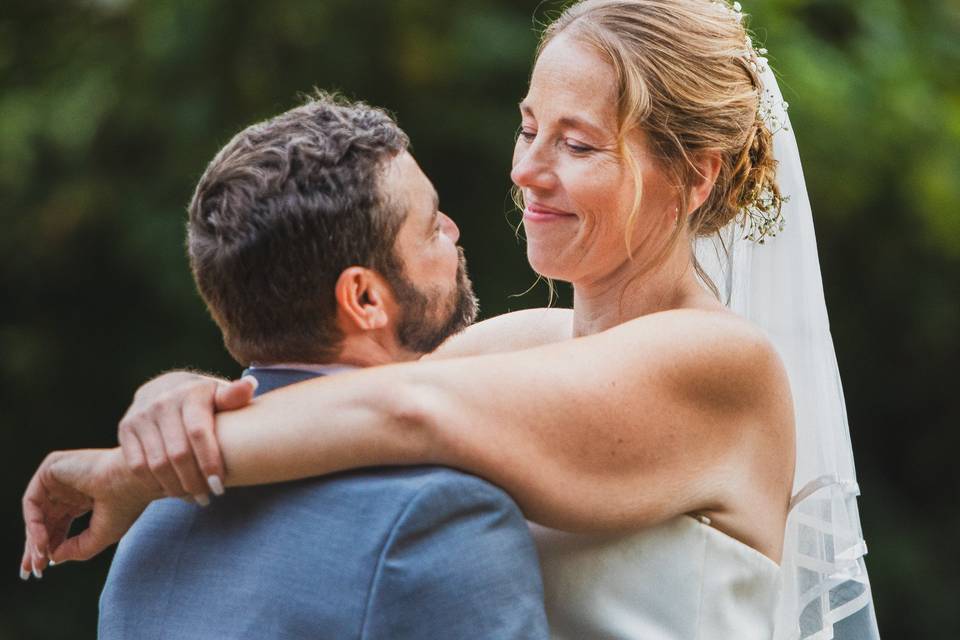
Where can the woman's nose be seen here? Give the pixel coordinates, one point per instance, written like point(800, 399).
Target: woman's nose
point(531, 170)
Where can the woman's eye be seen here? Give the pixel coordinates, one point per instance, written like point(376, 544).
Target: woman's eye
point(527, 134)
point(577, 147)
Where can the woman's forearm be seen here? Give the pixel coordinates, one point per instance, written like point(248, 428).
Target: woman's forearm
point(323, 426)
point(456, 413)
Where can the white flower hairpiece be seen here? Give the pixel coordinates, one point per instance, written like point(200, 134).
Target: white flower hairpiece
point(762, 216)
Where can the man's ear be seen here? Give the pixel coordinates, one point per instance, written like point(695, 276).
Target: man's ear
point(707, 164)
point(363, 300)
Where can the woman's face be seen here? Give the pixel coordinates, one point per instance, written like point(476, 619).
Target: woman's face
point(577, 189)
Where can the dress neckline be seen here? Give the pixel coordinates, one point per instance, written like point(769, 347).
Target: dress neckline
point(730, 540)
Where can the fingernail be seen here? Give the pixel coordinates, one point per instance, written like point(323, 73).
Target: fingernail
point(52, 562)
point(252, 381)
point(37, 573)
point(202, 499)
point(24, 574)
point(215, 484)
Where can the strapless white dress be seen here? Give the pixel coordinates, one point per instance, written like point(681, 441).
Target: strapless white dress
point(682, 580)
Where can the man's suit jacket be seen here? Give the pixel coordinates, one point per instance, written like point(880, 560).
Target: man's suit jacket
point(406, 552)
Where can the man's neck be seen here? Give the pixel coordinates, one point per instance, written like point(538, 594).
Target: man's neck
point(372, 350)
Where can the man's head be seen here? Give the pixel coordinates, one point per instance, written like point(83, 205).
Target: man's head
point(316, 228)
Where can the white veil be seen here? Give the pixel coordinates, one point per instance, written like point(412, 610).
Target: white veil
point(825, 592)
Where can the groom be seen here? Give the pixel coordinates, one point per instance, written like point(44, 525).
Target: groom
point(317, 244)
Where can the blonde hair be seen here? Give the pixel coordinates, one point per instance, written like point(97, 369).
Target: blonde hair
point(685, 80)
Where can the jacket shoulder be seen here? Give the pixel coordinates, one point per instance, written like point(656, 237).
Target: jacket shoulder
point(459, 562)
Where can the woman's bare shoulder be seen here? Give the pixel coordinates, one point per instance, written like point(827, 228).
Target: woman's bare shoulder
point(718, 352)
point(698, 324)
point(509, 332)
point(723, 330)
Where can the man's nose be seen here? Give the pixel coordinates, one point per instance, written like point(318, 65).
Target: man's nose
point(450, 227)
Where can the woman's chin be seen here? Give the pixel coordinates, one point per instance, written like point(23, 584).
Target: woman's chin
point(545, 261)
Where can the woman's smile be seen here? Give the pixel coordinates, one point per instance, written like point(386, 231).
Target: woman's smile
point(535, 212)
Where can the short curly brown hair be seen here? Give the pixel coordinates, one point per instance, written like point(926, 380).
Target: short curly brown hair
point(280, 212)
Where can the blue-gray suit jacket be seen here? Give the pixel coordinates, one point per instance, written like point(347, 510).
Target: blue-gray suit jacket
point(414, 552)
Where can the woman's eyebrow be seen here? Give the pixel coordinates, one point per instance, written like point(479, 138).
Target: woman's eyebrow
point(575, 122)
point(571, 122)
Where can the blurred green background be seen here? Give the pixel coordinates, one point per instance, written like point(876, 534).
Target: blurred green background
point(110, 109)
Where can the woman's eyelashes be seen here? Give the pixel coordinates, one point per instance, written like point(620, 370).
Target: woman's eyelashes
point(577, 147)
point(526, 134)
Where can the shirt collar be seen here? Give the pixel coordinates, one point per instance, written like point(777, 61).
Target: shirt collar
point(319, 369)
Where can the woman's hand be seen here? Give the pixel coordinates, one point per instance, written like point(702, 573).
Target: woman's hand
point(168, 437)
point(67, 485)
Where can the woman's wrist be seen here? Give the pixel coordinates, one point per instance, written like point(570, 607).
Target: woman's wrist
point(125, 482)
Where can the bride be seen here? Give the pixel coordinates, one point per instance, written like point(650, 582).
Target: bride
point(679, 439)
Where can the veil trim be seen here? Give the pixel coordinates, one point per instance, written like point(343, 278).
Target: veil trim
point(777, 286)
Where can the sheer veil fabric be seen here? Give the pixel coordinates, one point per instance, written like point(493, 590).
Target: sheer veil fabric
point(778, 286)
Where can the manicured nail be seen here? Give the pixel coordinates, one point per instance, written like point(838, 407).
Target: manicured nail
point(252, 381)
point(215, 484)
point(202, 499)
point(24, 574)
point(37, 573)
point(52, 562)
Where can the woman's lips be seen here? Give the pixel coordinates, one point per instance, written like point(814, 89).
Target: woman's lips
point(540, 213)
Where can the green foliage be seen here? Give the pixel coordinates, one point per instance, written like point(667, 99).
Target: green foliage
point(109, 110)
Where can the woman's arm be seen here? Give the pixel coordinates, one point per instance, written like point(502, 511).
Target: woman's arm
point(167, 434)
point(667, 414)
point(672, 413)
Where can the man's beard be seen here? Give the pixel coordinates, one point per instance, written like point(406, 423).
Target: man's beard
point(428, 318)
